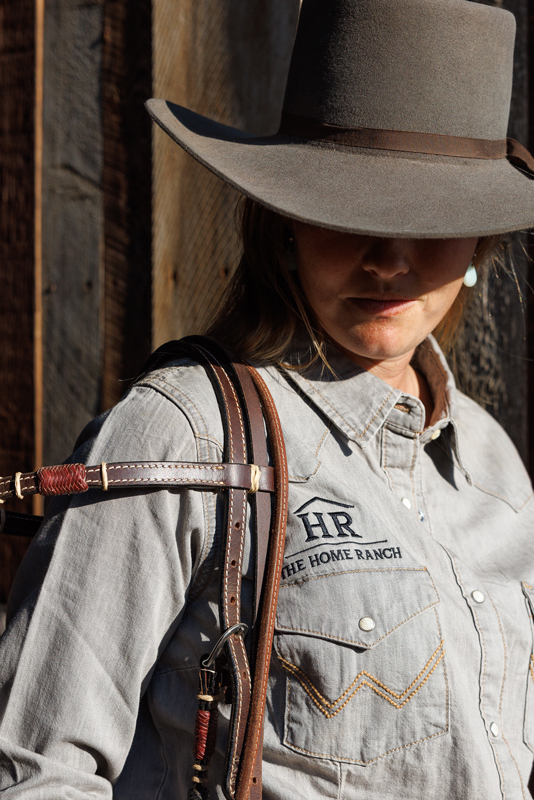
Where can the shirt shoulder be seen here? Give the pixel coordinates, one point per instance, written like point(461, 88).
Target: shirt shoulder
point(489, 456)
point(170, 414)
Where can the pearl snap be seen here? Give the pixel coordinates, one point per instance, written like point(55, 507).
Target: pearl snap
point(494, 729)
point(436, 434)
point(366, 624)
point(421, 516)
point(477, 596)
point(406, 502)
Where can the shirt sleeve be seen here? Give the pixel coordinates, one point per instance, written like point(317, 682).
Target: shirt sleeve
point(98, 595)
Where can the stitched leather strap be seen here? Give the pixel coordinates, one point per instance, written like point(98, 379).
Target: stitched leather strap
point(75, 478)
point(234, 543)
point(248, 787)
point(257, 453)
point(409, 141)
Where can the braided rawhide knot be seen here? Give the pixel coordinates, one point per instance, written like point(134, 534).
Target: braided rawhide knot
point(65, 479)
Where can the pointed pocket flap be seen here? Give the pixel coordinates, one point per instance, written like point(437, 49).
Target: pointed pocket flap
point(358, 608)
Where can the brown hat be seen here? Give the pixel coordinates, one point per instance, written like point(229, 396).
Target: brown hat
point(394, 124)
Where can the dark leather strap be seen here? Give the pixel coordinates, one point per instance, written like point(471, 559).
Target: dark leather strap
point(409, 141)
point(249, 785)
point(257, 452)
point(232, 382)
point(139, 474)
point(234, 543)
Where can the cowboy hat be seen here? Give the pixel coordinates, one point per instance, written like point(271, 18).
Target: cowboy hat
point(394, 124)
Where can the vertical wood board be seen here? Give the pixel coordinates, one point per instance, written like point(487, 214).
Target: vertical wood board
point(227, 60)
point(72, 221)
point(127, 193)
point(17, 84)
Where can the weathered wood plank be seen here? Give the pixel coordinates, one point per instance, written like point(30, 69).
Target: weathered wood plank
point(227, 60)
point(127, 187)
point(72, 221)
point(17, 431)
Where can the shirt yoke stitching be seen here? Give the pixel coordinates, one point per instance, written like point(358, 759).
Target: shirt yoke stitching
point(501, 497)
point(172, 389)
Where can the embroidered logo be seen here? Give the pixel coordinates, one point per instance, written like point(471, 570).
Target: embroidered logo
point(326, 523)
point(323, 522)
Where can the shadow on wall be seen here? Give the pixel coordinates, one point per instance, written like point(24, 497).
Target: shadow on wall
point(2, 618)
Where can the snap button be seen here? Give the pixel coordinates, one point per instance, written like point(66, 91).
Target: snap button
point(406, 502)
point(435, 434)
point(494, 729)
point(421, 516)
point(477, 596)
point(367, 624)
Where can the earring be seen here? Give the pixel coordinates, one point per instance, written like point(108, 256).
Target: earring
point(470, 277)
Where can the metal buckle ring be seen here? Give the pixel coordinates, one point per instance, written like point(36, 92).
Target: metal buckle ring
point(240, 628)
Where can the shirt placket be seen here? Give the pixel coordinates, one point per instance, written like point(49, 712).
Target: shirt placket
point(493, 669)
point(400, 443)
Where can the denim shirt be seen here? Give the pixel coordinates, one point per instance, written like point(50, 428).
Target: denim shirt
point(402, 665)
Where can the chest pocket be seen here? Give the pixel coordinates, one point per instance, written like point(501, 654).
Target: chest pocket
point(363, 663)
point(528, 730)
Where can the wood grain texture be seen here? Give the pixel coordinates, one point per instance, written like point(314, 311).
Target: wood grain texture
point(72, 221)
point(228, 60)
point(17, 82)
point(127, 195)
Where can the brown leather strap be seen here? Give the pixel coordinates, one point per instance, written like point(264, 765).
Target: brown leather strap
point(406, 141)
point(261, 505)
point(249, 785)
point(235, 534)
point(142, 474)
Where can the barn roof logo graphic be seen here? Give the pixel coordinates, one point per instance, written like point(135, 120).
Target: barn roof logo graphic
point(326, 519)
point(330, 526)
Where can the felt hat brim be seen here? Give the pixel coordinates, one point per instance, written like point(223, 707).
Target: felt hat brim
point(373, 192)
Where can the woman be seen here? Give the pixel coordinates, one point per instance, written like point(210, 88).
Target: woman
point(402, 658)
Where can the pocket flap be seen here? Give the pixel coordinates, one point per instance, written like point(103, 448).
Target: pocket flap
point(356, 608)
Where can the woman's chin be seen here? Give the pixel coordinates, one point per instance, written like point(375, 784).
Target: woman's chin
point(379, 348)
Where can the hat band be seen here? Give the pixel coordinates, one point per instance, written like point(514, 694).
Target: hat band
point(407, 141)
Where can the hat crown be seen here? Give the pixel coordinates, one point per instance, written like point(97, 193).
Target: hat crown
point(430, 66)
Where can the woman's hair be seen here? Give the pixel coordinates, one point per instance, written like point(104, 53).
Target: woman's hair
point(264, 306)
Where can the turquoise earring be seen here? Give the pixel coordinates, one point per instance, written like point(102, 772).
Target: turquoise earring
point(470, 277)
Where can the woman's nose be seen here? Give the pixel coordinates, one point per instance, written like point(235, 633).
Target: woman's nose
point(388, 258)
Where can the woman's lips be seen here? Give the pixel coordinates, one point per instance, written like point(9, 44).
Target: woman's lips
point(382, 308)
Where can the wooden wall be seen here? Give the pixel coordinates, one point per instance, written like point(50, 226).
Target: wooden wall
point(18, 432)
point(226, 60)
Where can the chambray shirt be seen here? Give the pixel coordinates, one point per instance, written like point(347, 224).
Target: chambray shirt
point(402, 666)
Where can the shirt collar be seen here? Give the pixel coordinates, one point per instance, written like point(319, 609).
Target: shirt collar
point(358, 403)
